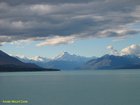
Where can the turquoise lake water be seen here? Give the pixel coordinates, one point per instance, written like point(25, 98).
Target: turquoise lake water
point(107, 87)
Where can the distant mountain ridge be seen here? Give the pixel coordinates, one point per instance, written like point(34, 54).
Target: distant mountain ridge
point(113, 62)
point(65, 61)
point(65, 56)
point(9, 63)
point(5, 59)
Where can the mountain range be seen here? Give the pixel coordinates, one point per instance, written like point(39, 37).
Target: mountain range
point(66, 61)
point(113, 62)
point(9, 63)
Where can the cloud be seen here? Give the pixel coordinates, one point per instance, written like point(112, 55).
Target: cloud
point(45, 19)
point(18, 2)
point(57, 41)
point(112, 50)
point(131, 50)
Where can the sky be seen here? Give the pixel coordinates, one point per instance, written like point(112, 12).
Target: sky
point(83, 27)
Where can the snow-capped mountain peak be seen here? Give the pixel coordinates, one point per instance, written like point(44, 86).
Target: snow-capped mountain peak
point(65, 56)
point(63, 61)
point(62, 55)
point(32, 59)
point(38, 58)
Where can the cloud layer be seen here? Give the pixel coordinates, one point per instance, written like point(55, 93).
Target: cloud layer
point(66, 20)
point(112, 50)
point(133, 49)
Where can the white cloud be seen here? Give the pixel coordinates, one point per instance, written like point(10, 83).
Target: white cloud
point(112, 50)
point(57, 41)
point(132, 49)
point(41, 9)
point(110, 47)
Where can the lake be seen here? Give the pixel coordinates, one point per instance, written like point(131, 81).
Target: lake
point(100, 87)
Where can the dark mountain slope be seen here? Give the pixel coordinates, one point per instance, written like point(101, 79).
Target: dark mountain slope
point(8, 63)
point(114, 62)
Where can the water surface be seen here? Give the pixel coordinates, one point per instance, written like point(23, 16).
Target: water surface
point(108, 87)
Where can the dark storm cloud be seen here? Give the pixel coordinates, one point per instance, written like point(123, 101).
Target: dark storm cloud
point(18, 2)
point(67, 19)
